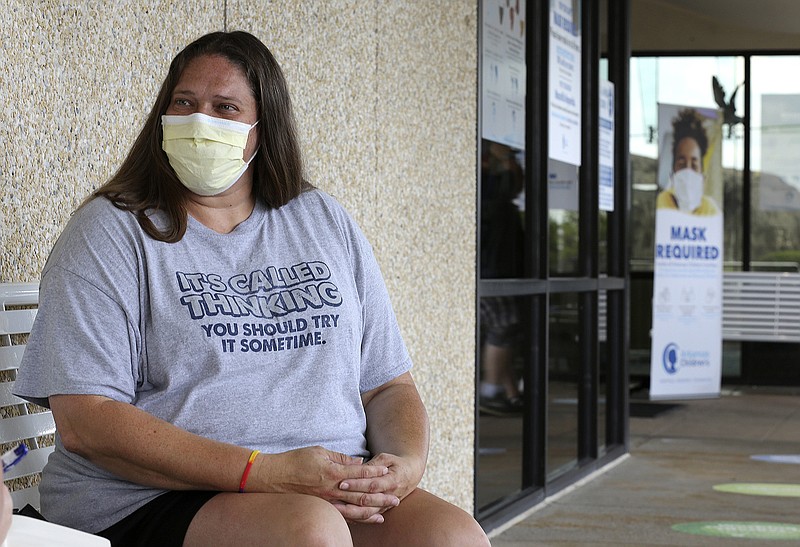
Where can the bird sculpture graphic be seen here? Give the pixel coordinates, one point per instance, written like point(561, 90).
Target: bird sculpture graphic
point(728, 107)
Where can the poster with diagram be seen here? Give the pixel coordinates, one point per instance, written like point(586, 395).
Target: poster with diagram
point(503, 72)
point(606, 147)
point(564, 129)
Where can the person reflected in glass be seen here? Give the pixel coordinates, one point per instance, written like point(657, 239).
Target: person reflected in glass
point(502, 238)
point(686, 190)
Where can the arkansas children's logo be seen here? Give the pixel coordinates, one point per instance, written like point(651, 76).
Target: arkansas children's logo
point(674, 358)
point(670, 358)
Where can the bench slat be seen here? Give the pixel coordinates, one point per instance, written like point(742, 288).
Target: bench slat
point(18, 428)
point(11, 356)
point(30, 464)
point(16, 321)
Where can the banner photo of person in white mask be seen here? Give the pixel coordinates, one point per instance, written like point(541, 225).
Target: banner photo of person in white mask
point(685, 187)
point(686, 355)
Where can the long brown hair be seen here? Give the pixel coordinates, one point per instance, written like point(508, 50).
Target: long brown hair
point(145, 181)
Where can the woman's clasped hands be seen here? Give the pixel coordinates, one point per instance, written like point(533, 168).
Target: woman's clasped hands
point(360, 491)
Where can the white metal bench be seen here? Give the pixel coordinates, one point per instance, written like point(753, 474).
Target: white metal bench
point(761, 306)
point(18, 423)
point(756, 307)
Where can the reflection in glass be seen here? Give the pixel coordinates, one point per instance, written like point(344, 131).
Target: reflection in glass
point(602, 242)
point(502, 209)
point(643, 212)
point(641, 321)
point(732, 207)
point(564, 240)
point(775, 133)
point(563, 378)
point(774, 236)
point(731, 359)
point(604, 371)
point(501, 325)
point(502, 338)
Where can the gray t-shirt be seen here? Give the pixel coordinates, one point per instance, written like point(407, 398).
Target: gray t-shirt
point(264, 337)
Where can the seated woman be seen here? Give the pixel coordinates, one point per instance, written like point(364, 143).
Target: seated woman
point(217, 345)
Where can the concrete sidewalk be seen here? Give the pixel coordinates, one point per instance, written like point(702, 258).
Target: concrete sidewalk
point(676, 460)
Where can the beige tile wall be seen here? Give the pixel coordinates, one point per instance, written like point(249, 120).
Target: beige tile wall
point(384, 93)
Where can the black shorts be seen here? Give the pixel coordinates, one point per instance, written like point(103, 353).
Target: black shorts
point(499, 320)
point(163, 521)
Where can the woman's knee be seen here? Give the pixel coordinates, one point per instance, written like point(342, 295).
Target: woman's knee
point(424, 519)
point(274, 519)
point(457, 528)
point(315, 522)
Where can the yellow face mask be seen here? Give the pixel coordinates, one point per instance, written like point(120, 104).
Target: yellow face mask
point(206, 152)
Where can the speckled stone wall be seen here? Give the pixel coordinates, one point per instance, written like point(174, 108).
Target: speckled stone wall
point(384, 93)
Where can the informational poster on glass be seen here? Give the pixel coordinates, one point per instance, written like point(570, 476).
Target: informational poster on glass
point(562, 185)
point(686, 355)
point(503, 72)
point(565, 81)
point(780, 171)
point(606, 146)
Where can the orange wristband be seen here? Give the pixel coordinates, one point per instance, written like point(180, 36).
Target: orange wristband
point(246, 473)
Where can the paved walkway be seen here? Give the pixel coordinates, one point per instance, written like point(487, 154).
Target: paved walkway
point(676, 460)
